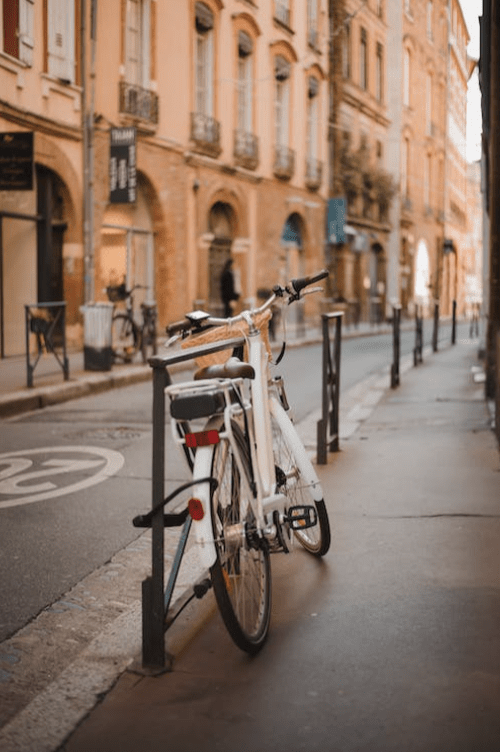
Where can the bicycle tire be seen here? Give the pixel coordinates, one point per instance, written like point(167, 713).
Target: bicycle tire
point(316, 540)
point(124, 338)
point(241, 575)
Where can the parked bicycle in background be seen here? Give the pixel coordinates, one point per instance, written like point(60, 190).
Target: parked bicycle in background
point(128, 336)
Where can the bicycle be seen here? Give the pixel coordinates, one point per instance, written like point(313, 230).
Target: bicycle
point(254, 489)
point(127, 336)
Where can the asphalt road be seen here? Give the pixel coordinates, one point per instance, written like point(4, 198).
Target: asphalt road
point(76, 474)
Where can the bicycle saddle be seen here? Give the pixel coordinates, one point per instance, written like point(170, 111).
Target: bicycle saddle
point(231, 369)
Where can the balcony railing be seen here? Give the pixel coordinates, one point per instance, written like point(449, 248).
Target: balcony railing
point(138, 102)
point(284, 162)
point(314, 173)
point(246, 149)
point(205, 132)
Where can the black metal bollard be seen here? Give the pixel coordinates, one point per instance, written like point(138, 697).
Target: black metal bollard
point(396, 345)
point(328, 425)
point(435, 331)
point(419, 338)
point(454, 324)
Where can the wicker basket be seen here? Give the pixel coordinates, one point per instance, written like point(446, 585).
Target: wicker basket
point(116, 293)
point(220, 333)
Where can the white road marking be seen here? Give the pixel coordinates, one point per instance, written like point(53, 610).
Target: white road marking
point(16, 478)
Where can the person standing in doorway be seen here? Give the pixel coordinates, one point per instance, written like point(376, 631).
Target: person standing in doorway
point(227, 289)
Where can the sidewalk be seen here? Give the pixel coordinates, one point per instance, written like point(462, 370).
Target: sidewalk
point(419, 461)
point(50, 388)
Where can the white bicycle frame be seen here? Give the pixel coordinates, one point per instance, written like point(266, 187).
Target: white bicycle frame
point(265, 401)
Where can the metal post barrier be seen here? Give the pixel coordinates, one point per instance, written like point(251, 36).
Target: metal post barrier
point(45, 320)
point(396, 345)
point(454, 324)
point(328, 426)
point(419, 338)
point(155, 601)
point(435, 331)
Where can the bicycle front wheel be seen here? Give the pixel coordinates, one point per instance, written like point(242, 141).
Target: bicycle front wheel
point(124, 338)
point(241, 575)
point(290, 481)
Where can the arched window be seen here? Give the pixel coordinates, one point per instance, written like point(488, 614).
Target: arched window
point(284, 158)
point(406, 76)
point(204, 62)
point(245, 82)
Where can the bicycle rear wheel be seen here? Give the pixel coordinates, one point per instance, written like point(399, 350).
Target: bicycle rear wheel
point(241, 575)
point(290, 481)
point(124, 338)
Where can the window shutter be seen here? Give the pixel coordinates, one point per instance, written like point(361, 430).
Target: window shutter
point(26, 44)
point(61, 39)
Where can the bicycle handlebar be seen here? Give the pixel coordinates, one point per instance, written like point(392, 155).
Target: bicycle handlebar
point(293, 291)
point(301, 282)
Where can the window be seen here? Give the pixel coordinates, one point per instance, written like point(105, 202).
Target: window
point(282, 101)
point(346, 52)
point(312, 118)
point(429, 20)
point(312, 22)
point(380, 72)
point(363, 60)
point(18, 29)
point(428, 104)
point(61, 39)
point(245, 83)
point(380, 8)
point(282, 11)
point(204, 60)
point(406, 77)
point(427, 180)
point(405, 161)
point(137, 43)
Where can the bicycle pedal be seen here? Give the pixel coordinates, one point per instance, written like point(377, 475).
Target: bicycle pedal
point(302, 517)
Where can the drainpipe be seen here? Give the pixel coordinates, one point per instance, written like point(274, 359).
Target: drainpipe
point(88, 145)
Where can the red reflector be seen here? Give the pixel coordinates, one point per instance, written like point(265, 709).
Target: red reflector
point(202, 438)
point(195, 509)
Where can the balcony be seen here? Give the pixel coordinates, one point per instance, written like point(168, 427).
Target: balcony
point(284, 162)
point(246, 149)
point(138, 102)
point(314, 173)
point(205, 132)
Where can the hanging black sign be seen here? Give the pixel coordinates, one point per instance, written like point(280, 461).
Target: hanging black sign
point(16, 161)
point(122, 166)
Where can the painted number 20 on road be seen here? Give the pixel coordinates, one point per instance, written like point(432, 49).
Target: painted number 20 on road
point(31, 475)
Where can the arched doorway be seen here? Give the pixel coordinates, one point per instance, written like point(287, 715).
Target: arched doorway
point(127, 247)
point(377, 274)
point(221, 222)
point(50, 235)
point(292, 239)
point(422, 276)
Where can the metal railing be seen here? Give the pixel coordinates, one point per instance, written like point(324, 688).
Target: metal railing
point(156, 599)
point(205, 132)
point(138, 102)
point(328, 425)
point(246, 149)
point(284, 162)
point(47, 321)
point(396, 345)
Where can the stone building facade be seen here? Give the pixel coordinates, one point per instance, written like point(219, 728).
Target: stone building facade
point(229, 105)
